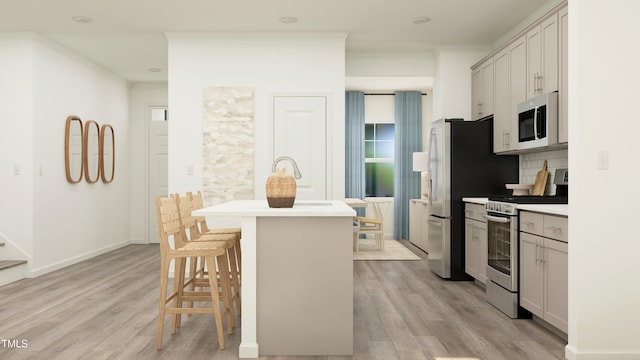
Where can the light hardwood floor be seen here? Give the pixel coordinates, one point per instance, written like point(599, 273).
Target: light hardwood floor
point(106, 308)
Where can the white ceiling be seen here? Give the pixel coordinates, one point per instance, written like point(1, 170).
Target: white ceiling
point(127, 36)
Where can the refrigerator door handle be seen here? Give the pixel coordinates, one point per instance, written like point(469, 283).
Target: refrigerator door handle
point(432, 135)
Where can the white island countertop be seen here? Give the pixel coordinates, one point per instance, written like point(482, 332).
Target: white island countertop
point(261, 208)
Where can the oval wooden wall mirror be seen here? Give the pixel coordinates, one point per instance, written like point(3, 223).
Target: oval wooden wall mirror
point(91, 151)
point(73, 149)
point(107, 153)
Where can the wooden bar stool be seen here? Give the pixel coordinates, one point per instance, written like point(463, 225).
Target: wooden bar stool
point(230, 239)
point(214, 256)
point(201, 222)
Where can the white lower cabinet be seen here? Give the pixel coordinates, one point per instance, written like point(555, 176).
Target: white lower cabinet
point(418, 229)
point(475, 242)
point(544, 268)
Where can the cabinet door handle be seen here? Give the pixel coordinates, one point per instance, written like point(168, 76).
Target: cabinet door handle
point(541, 85)
point(528, 223)
point(542, 256)
point(554, 228)
point(537, 256)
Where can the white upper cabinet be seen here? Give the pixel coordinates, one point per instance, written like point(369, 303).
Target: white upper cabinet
point(531, 64)
point(542, 57)
point(482, 90)
point(502, 114)
point(563, 117)
point(517, 86)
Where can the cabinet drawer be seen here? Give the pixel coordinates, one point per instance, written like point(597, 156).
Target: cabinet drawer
point(556, 227)
point(474, 211)
point(532, 223)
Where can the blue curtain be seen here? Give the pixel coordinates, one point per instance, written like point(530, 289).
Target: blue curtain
point(354, 151)
point(408, 139)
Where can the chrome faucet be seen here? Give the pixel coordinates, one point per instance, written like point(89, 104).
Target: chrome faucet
point(296, 171)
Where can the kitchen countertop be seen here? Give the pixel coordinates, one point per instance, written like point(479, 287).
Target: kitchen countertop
point(553, 209)
point(475, 200)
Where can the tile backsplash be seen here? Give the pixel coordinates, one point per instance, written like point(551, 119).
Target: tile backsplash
point(531, 163)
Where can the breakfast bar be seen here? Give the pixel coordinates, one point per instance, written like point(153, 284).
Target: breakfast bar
point(297, 277)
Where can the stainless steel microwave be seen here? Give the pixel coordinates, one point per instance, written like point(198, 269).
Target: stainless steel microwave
point(538, 122)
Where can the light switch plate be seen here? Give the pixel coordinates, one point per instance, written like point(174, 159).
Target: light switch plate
point(603, 160)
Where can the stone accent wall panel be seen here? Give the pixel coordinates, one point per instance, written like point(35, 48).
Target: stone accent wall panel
point(228, 137)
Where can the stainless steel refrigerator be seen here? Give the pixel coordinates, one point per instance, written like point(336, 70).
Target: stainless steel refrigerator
point(461, 164)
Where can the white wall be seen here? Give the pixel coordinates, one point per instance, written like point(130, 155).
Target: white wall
point(271, 64)
point(390, 64)
point(452, 82)
point(54, 222)
point(75, 221)
point(141, 96)
point(16, 139)
point(604, 241)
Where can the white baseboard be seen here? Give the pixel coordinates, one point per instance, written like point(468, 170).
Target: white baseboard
point(70, 261)
point(140, 241)
point(571, 353)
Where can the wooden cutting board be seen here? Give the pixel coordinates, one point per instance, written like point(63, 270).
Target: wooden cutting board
point(541, 181)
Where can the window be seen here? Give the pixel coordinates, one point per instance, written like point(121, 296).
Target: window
point(159, 114)
point(379, 167)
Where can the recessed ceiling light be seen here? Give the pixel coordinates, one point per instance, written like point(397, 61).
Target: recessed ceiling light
point(82, 19)
point(288, 20)
point(154, 69)
point(421, 20)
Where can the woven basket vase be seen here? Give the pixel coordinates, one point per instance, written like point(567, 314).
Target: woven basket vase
point(281, 189)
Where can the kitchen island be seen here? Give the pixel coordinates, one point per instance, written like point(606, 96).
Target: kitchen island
point(297, 277)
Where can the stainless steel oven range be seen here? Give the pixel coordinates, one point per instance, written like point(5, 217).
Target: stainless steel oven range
point(502, 261)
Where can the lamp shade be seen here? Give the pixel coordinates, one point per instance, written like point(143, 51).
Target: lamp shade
point(420, 161)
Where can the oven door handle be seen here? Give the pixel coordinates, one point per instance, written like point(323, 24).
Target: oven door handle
point(498, 219)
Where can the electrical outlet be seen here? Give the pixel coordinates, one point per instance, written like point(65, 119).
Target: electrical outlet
point(17, 170)
point(189, 169)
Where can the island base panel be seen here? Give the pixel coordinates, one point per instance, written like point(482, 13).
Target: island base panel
point(305, 285)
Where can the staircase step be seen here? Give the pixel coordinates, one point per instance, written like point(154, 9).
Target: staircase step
point(12, 270)
point(6, 264)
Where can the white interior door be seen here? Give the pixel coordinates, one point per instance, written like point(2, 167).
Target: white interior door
point(300, 131)
point(158, 174)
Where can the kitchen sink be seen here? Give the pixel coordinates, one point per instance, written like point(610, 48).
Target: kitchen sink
point(312, 204)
